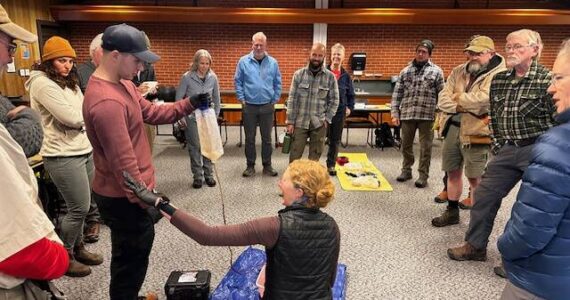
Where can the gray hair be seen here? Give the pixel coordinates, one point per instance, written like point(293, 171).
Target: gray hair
point(532, 37)
point(95, 44)
point(259, 36)
point(196, 60)
point(564, 49)
point(337, 46)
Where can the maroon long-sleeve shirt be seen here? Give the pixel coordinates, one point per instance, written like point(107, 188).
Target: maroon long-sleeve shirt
point(114, 115)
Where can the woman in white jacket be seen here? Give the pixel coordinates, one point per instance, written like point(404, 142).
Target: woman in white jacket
point(66, 151)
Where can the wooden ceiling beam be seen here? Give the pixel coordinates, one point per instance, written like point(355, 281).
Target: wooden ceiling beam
point(177, 14)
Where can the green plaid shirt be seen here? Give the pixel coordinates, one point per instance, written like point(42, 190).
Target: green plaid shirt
point(520, 107)
point(312, 99)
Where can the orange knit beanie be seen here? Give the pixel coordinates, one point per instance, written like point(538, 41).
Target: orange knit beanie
point(56, 47)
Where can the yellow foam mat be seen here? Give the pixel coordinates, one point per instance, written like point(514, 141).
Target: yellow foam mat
point(368, 166)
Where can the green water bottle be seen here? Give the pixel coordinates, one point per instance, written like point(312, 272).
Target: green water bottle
point(286, 144)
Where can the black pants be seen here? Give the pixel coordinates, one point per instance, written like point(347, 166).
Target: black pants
point(334, 135)
point(132, 235)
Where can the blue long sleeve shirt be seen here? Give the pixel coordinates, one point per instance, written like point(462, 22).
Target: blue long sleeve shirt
point(257, 83)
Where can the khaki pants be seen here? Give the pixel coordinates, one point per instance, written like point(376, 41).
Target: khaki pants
point(316, 138)
point(408, 132)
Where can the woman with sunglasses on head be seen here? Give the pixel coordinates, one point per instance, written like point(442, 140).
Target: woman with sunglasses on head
point(66, 151)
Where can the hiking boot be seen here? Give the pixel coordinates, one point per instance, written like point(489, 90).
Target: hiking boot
point(466, 203)
point(75, 268)
point(500, 271)
point(332, 171)
point(405, 176)
point(197, 183)
point(211, 182)
point(449, 217)
point(87, 258)
point(248, 172)
point(467, 252)
point(421, 182)
point(269, 171)
point(91, 234)
point(441, 197)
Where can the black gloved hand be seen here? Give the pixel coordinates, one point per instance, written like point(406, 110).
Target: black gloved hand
point(140, 190)
point(201, 101)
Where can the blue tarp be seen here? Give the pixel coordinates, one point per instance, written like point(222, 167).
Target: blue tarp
point(239, 282)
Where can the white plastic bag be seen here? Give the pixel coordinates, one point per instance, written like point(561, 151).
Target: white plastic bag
point(209, 134)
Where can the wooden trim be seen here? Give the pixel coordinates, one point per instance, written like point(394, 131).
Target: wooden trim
point(177, 14)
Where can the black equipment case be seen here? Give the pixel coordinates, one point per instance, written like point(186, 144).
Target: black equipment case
point(188, 285)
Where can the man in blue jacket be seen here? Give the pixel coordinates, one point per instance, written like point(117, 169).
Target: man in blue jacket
point(258, 87)
point(536, 243)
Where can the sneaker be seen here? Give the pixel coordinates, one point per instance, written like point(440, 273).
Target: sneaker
point(269, 171)
point(332, 171)
point(421, 182)
point(467, 252)
point(466, 203)
point(248, 172)
point(211, 182)
point(500, 271)
point(449, 217)
point(405, 176)
point(197, 183)
point(85, 257)
point(91, 234)
point(441, 197)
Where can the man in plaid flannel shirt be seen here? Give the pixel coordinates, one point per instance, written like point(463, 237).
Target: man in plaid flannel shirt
point(521, 110)
point(413, 108)
point(313, 101)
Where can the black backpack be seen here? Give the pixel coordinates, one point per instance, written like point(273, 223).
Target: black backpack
point(384, 136)
point(178, 132)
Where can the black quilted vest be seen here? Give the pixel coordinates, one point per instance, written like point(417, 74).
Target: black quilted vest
point(301, 264)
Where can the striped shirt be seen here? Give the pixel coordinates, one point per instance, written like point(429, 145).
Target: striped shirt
point(312, 98)
point(520, 107)
point(416, 91)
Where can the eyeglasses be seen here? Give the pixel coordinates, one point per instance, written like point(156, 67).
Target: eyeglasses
point(515, 47)
point(11, 46)
point(557, 77)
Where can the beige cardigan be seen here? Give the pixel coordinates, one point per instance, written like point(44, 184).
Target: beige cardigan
point(62, 117)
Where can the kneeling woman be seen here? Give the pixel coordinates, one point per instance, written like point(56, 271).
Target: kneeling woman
point(302, 242)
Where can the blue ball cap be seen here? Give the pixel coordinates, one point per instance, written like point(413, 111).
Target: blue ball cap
point(127, 39)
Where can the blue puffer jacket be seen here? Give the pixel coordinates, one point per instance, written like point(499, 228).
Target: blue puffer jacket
point(536, 242)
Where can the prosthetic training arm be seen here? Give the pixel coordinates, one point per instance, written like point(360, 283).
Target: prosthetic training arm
point(160, 201)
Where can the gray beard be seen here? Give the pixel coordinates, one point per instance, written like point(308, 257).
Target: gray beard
point(474, 68)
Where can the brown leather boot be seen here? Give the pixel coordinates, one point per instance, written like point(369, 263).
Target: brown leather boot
point(75, 268)
point(467, 252)
point(91, 234)
point(441, 197)
point(86, 257)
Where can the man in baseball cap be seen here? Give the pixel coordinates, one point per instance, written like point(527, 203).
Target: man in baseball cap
point(115, 113)
point(9, 32)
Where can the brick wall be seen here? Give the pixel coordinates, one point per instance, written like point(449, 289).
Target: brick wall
point(177, 43)
point(388, 47)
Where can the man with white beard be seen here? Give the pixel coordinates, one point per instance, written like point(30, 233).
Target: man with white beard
point(464, 103)
point(521, 110)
